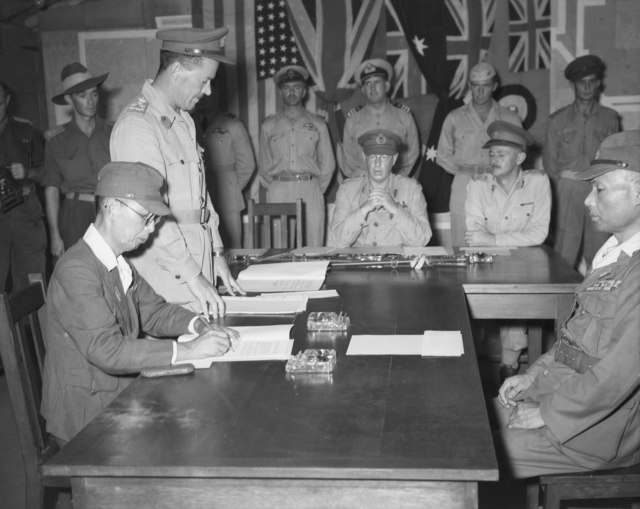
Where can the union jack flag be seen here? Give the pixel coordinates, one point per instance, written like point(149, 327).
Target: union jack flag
point(529, 35)
point(473, 22)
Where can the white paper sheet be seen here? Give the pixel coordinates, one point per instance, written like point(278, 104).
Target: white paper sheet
point(283, 277)
point(371, 344)
point(246, 252)
point(317, 294)
point(296, 303)
point(259, 343)
point(442, 343)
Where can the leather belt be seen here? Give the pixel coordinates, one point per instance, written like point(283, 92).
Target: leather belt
point(293, 177)
point(573, 357)
point(81, 196)
point(191, 216)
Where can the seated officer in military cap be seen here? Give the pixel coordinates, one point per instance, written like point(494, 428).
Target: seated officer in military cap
point(97, 305)
point(74, 154)
point(577, 408)
point(374, 76)
point(573, 136)
point(463, 134)
point(508, 207)
point(156, 129)
point(379, 208)
point(295, 156)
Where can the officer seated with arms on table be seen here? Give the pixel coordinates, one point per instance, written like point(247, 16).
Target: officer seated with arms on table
point(98, 304)
point(508, 207)
point(379, 208)
point(577, 408)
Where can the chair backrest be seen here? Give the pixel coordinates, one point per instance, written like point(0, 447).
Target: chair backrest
point(260, 225)
point(22, 350)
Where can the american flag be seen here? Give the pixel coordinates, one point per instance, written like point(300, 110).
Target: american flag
point(275, 43)
point(473, 21)
point(529, 35)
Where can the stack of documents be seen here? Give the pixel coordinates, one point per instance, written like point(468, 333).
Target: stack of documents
point(283, 277)
point(260, 343)
point(429, 344)
point(284, 305)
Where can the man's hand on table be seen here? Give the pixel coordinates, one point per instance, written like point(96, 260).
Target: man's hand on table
point(479, 238)
point(213, 340)
point(221, 270)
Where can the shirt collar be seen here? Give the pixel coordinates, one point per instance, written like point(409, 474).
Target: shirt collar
point(166, 113)
point(611, 250)
point(100, 247)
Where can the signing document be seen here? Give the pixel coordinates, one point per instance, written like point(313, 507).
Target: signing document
point(259, 343)
point(283, 277)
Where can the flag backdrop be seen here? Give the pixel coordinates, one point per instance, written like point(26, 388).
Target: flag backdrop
point(529, 35)
point(431, 44)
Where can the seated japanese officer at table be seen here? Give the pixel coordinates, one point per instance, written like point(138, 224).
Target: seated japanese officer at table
point(379, 208)
point(577, 408)
point(97, 305)
point(508, 207)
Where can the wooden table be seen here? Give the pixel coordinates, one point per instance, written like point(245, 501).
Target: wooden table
point(381, 431)
point(387, 431)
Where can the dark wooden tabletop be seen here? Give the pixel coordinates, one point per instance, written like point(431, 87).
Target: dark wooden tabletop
point(375, 417)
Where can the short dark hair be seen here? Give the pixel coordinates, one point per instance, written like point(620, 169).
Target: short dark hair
point(167, 58)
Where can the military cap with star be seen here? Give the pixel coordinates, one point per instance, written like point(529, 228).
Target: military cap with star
point(379, 141)
point(586, 65)
point(506, 134)
point(620, 151)
point(290, 73)
point(195, 42)
point(373, 67)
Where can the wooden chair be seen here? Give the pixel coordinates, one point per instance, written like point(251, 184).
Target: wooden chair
point(604, 484)
point(263, 213)
point(22, 350)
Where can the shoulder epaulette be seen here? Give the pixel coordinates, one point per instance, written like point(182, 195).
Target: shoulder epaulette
point(53, 132)
point(23, 121)
point(355, 110)
point(536, 171)
point(403, 107)
point(482, 177)
point(139, 105)
point(557, 112)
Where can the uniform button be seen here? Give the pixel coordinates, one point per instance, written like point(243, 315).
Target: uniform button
point(375, 224)
point(545, 372)
point(374, 243)
point(177, 276)
point(181, 161)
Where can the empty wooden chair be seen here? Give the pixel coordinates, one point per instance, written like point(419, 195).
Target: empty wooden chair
point(22, 350)
point(260, 224)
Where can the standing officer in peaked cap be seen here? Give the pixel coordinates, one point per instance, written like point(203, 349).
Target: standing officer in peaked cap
point(74, 154)
point(97, 305)
point(508, 207)
point(573, 136)
point(156, 129)
point(577, 408)
point(295, 157)
point(463, 134)
point(374, 77)
point(379, 208)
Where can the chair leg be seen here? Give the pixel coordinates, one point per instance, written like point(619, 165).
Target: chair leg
point(34, 491)
point(552, 497)
point(533, 494)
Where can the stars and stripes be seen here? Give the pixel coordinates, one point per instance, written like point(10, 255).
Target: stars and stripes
point(275, 43)
point(529, 35)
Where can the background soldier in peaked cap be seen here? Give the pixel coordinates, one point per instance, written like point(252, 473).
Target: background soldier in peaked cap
point(74, 154)
point(295, 157)
point(577, 408)
point(463, 134)
point(573, 136)
point(508, 207)
point(374, 76)
point(156, 129)
point(379, 208)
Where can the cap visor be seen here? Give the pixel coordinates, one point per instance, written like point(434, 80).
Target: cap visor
point(158, 208)
point(503, 143)
point(596, 170)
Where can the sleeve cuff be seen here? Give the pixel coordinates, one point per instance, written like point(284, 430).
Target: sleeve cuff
point(174, 344)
